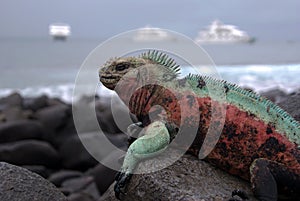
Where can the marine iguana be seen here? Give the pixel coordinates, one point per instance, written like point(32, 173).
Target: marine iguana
point(259, 141)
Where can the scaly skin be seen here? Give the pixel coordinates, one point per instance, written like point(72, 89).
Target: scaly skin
point(259, 141)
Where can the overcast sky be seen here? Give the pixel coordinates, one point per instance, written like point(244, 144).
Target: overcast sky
point(264, 19)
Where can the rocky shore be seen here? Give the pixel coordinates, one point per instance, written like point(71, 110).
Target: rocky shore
point(42, 158)
point(38, 134)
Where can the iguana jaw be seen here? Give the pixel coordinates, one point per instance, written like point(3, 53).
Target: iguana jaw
point(109, 81)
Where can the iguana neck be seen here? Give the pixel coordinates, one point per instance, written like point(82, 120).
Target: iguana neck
point(148, 102)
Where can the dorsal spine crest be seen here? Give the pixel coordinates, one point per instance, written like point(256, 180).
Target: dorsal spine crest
point(162, 59)
point(284, 121)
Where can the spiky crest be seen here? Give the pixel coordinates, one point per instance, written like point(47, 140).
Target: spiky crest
point(234, 87)
point(258, 98)
point(162, 59)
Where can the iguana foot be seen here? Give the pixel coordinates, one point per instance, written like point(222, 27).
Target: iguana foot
point(238, 195)
point(122, 179)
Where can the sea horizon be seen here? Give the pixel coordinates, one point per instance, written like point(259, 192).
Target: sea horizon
point(35, 66)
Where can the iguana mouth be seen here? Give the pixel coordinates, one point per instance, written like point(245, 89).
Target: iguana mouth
point(109, 81)
point(108, 77)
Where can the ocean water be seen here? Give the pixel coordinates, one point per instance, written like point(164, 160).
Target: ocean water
point(42, 66)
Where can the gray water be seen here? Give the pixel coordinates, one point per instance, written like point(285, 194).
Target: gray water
point(36, 66)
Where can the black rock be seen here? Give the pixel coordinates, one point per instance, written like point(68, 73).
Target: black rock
point(38, 169)
point(291, 105)
point(63, 134)
point(55, 101)
point(73, 185)
point(112, 118)
point(103, 176)
point(16, 113)
point(2, 117)
point(274, 95)
point(30, 152)
point(59, 177)
point(80, 197)
point(20, 130)
point(119, 140)
point(53, 117)
point(95, 141)
point(187, 179)
point(19, 184)
point(83, 184)
point(74, 155)
point(85, 122)
point(12, 100)
point(35, 104)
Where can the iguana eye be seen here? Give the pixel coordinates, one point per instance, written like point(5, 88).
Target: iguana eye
point(122, 66)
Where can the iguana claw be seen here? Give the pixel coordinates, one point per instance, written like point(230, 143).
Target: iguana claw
point(122, 180)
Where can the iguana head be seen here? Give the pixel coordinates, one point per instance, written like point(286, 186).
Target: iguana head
point(113, 70)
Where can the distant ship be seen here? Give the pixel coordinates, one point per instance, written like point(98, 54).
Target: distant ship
point(218, 32)
point(152, 34)
point(59, 31)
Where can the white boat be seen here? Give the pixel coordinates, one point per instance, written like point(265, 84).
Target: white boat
point(218, 32)
point(59, 31)
point(152, 34)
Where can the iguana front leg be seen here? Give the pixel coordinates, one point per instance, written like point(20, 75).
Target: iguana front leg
point(154, 141)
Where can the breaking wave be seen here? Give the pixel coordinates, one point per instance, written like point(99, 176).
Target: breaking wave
point(257, 77)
